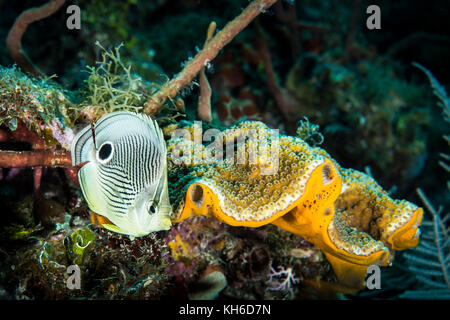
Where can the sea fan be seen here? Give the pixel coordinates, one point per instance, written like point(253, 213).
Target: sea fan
point(430, 261)
point(444, 103)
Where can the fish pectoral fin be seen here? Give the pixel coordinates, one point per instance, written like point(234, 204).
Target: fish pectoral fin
point(103, 222)
point(99, 220)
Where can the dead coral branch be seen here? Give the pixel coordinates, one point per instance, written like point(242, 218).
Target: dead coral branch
point(14, 39)
point(204, 100)
point(207, 54)
point(283, 98)
point(37, 158)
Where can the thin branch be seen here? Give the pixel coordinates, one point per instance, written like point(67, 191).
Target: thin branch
point(416, 39)
point(444, 166)
point(350, 39)
point(312, 26)
point(37, 176)
point(425, 201)
point(207, 54)
point(285, 12)
point(14, 39)
point(204, 100)
point(283, 98)
point(37, 158)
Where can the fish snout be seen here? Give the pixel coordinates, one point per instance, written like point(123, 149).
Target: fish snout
point(165, 210)
point(160, 220)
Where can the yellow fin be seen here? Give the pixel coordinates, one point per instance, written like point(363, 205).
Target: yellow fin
point(114, 228)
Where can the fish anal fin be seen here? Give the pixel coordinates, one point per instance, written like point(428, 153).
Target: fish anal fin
point(114, 228)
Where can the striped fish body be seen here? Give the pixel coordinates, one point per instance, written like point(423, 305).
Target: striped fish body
point(125, 179)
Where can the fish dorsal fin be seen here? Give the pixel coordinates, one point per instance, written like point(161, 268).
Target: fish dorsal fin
point(112, 126)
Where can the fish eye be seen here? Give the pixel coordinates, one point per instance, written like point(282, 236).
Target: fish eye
point(152, 207)
point(105, 152)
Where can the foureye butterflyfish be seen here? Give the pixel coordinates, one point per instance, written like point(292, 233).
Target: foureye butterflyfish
point(125, 175)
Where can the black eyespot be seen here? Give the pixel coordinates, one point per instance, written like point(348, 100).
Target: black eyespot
point(152, 209)
point(105, 151)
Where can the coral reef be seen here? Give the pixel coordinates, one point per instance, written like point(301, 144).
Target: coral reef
point(41, 105)
point(309, 230)
point(255, 185)
point(355, 228)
